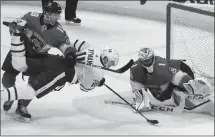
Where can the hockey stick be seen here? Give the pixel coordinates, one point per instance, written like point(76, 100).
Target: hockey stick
point(120, 70)
point(148, 120)
point(155, 107)
point(191, 108)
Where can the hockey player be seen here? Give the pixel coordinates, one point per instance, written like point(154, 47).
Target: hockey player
point(31, 38)
point(162, 82)
point(159, 76)
point(91, 77)
point(88, 77)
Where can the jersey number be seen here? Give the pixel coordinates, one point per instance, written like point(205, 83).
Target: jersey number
point(34, 14)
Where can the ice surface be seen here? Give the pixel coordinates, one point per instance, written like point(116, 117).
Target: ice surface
point(72, 112)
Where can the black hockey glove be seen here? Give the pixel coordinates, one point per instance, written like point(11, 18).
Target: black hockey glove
point(70, 57)
point(101, 83)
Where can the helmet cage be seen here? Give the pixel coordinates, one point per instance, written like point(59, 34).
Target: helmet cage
point(147, 62)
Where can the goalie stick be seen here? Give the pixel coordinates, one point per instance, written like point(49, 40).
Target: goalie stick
point(156, 107)
point(120, 70)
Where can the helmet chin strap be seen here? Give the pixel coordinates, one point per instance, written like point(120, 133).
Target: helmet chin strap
point(49, 20)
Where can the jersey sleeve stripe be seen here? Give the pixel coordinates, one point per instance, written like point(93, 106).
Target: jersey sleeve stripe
point(17, 50)
point(8, 91)
point(81, 45)
point(17, 44)
point(15, 90)
point(75, 43)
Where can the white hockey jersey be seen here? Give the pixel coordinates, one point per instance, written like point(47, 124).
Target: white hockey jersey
point(88, 76)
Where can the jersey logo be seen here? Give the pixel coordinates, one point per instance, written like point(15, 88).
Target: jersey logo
point(44, 27)
point(161, 64)
point(173, 70)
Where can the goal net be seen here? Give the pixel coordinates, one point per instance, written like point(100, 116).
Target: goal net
point(190, 36)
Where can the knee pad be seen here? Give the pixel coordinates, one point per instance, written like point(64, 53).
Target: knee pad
point(8, 79)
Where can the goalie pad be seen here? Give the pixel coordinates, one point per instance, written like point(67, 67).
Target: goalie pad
point(142, 100)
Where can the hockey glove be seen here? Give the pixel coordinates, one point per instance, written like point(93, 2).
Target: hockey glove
point(101, 83)
point(16, 26)
point(70, 57)
point(98, 83)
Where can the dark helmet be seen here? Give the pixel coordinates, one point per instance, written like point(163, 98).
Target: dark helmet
point(53, 8)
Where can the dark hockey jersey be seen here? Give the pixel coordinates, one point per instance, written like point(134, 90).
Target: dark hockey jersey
point(159, 80)
point(44, 36)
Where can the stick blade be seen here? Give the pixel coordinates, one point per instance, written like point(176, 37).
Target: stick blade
point(152, 121)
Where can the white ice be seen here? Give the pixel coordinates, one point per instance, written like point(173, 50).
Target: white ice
point(55, 114)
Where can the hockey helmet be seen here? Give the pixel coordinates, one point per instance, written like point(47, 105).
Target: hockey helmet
point(52, 12)
point(53, 8)
point(146, 57)
point(109, 57)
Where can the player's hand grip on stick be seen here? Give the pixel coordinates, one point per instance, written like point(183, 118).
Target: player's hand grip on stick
point(148, 120)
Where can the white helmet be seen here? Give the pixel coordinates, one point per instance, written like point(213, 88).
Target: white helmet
point(146, 57)
point(109, 57)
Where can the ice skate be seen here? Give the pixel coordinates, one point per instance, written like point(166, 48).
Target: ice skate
point(22, 114)
point(74, 21)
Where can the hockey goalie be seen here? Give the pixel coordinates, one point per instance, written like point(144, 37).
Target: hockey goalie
point(160, 84)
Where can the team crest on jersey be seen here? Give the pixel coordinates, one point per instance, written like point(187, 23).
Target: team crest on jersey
point(44, 27)
point(173, 70)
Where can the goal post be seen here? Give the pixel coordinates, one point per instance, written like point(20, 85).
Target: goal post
point(190, 36)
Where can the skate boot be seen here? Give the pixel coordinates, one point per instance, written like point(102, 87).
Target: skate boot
point(75, 21)
point(22, 114)
point(7, 105)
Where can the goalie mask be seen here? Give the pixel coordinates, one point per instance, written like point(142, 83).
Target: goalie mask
point(147, 58)
point(109, 57)
point(198, 86)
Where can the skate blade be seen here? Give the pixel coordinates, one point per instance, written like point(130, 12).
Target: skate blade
point(21, 119)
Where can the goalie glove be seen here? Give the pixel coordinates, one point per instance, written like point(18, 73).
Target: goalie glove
point(142, 99)
point(198, 86)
